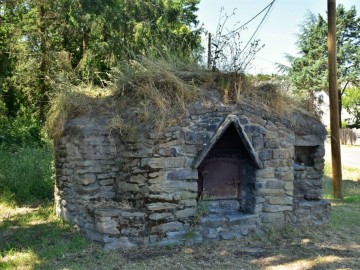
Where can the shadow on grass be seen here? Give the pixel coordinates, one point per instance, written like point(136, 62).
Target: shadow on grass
point(35, 237)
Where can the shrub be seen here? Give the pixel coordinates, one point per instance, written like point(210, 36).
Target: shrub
point(26, 175)
point(23, 130)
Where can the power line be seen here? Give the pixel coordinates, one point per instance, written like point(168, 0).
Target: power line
point(268, 7)
point(261, 22)
point(253, 18)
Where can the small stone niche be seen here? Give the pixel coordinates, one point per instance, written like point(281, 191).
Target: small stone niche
point(304, 155)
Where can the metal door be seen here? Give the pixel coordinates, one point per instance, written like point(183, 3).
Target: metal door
point(221, 177)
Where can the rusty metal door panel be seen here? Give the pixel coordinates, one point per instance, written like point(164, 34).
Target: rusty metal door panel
point(221, 177)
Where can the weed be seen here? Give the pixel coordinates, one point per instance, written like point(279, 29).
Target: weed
point(201, 211)
point(26, 175)
point(190, 235)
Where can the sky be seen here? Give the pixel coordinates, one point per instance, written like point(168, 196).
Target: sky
point(278, 32)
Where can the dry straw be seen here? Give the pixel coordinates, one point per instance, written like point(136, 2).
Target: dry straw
point(157, 93)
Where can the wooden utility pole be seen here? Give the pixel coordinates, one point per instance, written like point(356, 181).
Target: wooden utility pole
point(334, 102)
point(209, 51)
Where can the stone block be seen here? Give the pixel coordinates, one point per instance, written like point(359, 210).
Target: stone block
point(106, 182)
point(107, 212)
point(258, 141)
point(170, 144)
point(164, 197)
point(167, 227)
point(182, 175)
point(211, 233)
point(271, 142)
point(189, 202)
point(283, 153)
point(180, 235)
point(230, 235)
point(106, 188)
point(289, 186)
point(172, 226)
point(160, 206)
point(87, 179)
point(98, 169)
point(192, 137)
point(107, 194)
point(165, 162)
point(278, 217)
point(127, 187)
point(213, 221)
point(278, 163)
point(168, 242)
point(90, 189)
point(285, 176)
point(265, 173)
point(287, 200)
point(138, 179)
point(168, 152)
point(132, 231)
point(277, 208)
point(309, 140)
point(271, 192)
point(241, 219)
point(132, 215)
point(265, 155)
point(274, 184)
point(187, 212)
point(102, 176)
point(187, 150)
point(157, 174)
point(255, 129)
point(115, 243)
point(108, 227)
point(161, 216)
point(173, 187)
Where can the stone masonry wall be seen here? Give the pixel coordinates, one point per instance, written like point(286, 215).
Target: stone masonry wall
point(143, 190)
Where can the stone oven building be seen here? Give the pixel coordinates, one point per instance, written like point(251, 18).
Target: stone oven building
point(223, 172)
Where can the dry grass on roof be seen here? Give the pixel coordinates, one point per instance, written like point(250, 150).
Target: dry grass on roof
point(159, 92)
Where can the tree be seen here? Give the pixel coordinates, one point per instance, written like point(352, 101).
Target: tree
point(308, 72)
point(45, 44)
point(351, 102)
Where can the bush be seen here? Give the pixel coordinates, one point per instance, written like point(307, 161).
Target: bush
point(22, 131)
point(26, 175)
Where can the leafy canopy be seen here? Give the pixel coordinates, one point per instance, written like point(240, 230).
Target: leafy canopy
point(308, 72)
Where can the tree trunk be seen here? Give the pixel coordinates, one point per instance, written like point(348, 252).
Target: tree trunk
point(85, 43)
point(340, 107)
point(43, 63)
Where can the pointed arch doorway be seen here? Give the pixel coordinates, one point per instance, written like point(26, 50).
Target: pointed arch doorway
point(227, 164)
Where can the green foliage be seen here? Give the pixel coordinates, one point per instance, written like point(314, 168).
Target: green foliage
point(51, 45)
point(308, 72)
point(26, 175)
point(351, 102)
point(22, 131)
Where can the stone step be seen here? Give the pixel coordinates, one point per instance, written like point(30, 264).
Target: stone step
point(223, 206)
point(228, 220)
point(242, 219)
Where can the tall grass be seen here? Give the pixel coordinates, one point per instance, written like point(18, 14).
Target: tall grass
point(351, 183)
point(26, 175)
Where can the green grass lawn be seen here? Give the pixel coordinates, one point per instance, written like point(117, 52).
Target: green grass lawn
point(32, 237)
